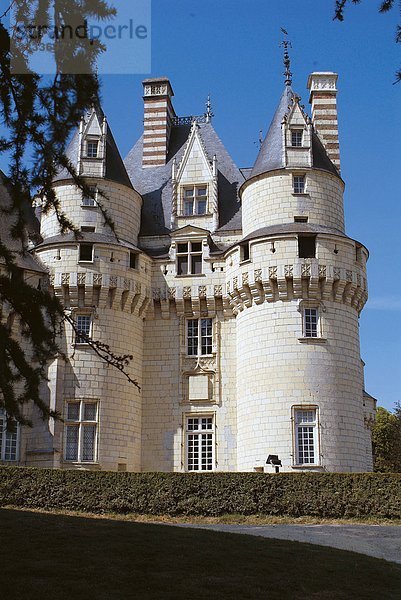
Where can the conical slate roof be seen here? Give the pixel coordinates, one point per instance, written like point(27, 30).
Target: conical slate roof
point(271, 153)
point(115, 169)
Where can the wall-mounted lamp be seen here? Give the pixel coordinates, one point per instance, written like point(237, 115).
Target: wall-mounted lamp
point(274, 461)
point(335, 249)
point(272, 248)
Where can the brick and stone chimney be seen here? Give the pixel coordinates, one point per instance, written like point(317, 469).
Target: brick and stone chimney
point(323, 92)
point(158, 116)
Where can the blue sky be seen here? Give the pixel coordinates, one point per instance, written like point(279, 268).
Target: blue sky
point(230, 48)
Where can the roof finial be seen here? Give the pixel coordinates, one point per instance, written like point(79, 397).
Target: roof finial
point(209, 113)
point(286, 44)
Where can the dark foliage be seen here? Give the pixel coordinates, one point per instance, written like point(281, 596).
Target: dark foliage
point(331, 495)
point(38, 114)
point(386, 440)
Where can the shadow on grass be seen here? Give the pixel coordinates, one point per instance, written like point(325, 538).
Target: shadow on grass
point(45, 556)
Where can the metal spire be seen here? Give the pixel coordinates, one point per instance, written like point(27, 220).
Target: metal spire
point(209, 113)
point(287, 73)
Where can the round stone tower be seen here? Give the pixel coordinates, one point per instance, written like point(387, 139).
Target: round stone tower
point(298, 284)
point(102, 280)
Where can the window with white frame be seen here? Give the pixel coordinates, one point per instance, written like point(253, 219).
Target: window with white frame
point(298, 183)
point(92, 147)
point(83, 325)
point(296, 138)
point(199, 443)
point(189, 258)
point(306, 436)
point(194, 200)
point(311, 322)
point(199, 337)
point(90, 200)
point(9, 440)
point(81, 431)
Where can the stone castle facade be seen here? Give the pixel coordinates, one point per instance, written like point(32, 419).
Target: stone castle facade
point(236, 291)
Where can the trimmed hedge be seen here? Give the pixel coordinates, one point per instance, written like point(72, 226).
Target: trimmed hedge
point(331, 495)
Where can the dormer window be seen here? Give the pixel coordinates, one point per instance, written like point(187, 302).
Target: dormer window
point(92, 148)
point(194, 200)
point(296, 138)
point(189, 258)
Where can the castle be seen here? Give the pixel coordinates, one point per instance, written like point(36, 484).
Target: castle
point(236, 291)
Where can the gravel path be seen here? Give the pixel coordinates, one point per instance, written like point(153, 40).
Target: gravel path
point(380, 541)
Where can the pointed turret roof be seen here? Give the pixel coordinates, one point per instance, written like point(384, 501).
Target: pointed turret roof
point(115, 169)
point(271, 154)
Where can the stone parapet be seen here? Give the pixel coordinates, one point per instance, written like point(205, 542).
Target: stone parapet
point(300, 279)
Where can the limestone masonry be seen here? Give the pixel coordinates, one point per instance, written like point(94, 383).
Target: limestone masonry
point(236, 291)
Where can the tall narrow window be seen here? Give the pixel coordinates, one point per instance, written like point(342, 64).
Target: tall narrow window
point(195, 200)
point(299, 184)
point(296, 138)
point(199, 337)
point(311, 318)
point(132, 260)
point(81, 428)
point(244, 251)
point(189, 258)
point(8, 440)
point(92, 149)
point(83, 325)
point(200, 443)
point(306, 436)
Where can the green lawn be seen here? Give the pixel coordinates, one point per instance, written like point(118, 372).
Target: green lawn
point(51, 557)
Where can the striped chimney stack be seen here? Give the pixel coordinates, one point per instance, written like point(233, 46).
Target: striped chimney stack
point(323, 92)
point(158, 116)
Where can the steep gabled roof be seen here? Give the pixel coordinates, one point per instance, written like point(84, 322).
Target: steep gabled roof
point(115, 169)
point(271, 154)
point(154, 183)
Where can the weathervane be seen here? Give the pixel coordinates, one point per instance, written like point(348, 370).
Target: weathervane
point(286, 44)
point(209, 113)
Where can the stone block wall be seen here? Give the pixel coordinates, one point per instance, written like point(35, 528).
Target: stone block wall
point(269, 200)
point(121, 203)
